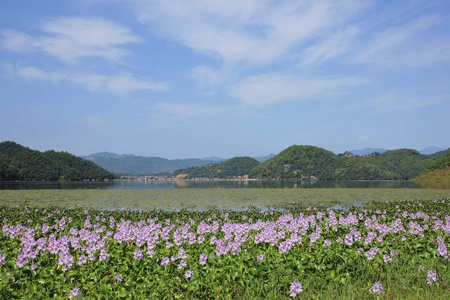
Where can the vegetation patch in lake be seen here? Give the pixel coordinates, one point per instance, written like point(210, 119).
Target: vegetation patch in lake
point(201, 199)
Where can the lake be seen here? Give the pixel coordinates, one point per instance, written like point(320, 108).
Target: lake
point(201, 195)
point(206, 184)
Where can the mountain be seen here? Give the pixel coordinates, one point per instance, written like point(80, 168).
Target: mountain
point(431, 150)
point(297, 162)
point(438, 170)
point(21, 163)
point(367, 151)
point(214, 159)
point(139, 165)
point(106, 155)
point(264, 158)
point(129, 164)
point(233, 167)
point(440, 154)
point(305, 161)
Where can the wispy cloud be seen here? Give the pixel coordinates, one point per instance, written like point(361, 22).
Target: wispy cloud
point(330, 47)
point(272, 88)
point(120, 84)
point(70, 39)
point(393, 103)
point(191, 110)
point(414, 43)
point(251, 31)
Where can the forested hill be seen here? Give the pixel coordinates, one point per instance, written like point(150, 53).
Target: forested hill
point(304, 161)
point(233, 167)
point(439, 170)
point(21, 163)
point(297, 162)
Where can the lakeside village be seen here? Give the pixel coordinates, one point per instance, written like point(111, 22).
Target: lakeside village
point(178, 177)
point(185, 177)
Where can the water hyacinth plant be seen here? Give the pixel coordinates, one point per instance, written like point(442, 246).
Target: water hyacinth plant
point(254, 254)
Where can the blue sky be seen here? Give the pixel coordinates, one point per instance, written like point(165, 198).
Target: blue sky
point(200, 78)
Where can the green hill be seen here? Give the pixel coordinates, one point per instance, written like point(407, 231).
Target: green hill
point(234, 167)
point(400, 164)
point(21, 163)
point(297, 162)
point(440, 154)
point(305, 161)
point(439, 170)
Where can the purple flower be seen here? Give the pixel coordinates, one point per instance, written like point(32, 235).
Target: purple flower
point(188, 274)
point(260, 257)
point(203, 258)
point(432, 277)
point(138, 254)
point(182, 264)
point(377, 288)
point(2, 259)
point(75, 292)
point(165, 261)
point(118, 277)
point(296, 288)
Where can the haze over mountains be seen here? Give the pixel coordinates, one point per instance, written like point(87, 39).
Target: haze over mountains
point(129, 164)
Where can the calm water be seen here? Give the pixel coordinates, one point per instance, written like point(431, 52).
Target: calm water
point(206, 184)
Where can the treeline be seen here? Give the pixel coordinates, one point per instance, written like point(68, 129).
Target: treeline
point(305, 161)
point(439, 164)
point(21, 163)
point(234, 167)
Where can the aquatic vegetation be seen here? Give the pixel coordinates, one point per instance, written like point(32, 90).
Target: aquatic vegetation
point(386, 249)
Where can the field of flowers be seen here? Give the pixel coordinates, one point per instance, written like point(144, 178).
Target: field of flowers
point(394, 250)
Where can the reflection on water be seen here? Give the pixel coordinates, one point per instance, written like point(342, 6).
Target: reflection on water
point(187, 184)
point(435, 184)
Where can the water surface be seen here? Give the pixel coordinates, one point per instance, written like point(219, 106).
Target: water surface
point(206, 184)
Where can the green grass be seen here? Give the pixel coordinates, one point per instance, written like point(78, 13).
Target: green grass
point(338, 271)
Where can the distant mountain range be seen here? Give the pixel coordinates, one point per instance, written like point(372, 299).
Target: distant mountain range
point(297, 162)
point(106, 155)
point(366, 151)
point(129, 164)
point(431, 150)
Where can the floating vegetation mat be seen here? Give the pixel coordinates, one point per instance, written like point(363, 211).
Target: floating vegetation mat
point(203, 199)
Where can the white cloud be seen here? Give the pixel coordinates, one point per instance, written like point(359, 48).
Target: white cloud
point(191, 110)
point(125, 83)
point(121, 84)
point(249, 31)
point(391, 102)
point(17, 41)
point(70, 39)
point(363, 138)
point(412, 44)
point(271, 88)
point(208, 78)
point(330, 47)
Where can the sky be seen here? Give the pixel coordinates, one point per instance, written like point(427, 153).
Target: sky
point(201, 78)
